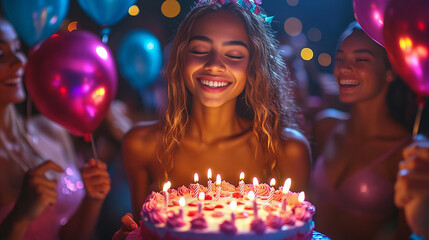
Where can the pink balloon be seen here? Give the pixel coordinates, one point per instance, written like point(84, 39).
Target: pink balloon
point(370, 15)
point(406, 31)
point(72, 80)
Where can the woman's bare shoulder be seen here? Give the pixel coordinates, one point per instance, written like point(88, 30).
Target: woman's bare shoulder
point(142, 141)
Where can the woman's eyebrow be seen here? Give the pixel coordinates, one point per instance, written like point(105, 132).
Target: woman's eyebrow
point(228, 43)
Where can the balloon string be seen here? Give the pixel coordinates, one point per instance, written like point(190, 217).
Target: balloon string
point(94, 150)
point(416, 127)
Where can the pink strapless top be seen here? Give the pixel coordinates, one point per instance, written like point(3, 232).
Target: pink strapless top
point(363, 193)
point(70, 190)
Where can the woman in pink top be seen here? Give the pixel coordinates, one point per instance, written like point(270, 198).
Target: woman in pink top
point(43, 195)
point(354, 174)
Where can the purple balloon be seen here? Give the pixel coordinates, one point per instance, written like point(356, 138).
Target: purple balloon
point(370, 15)
point(72, 80)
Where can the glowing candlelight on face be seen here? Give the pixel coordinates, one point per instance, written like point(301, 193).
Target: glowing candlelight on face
point(252, 198)
point(233, 206)
point(241, 183)
point(165, 188)
point(195, 195)
point(271, 195)
point(255, 186)
point(209, 182)
point(201, 197)
point(218, 181)
point(181, 204)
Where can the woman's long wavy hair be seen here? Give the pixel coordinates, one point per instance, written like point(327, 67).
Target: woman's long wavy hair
point(267, 99)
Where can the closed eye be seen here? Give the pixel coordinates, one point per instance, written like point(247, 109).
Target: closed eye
point(198, 52)
point(235, 57)
point(362, 60)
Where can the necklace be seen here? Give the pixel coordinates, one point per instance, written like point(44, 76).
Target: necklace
point(22, 152)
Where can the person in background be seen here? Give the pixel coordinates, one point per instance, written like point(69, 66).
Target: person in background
point(43, 194)
point(411, 187)
point(230, 109)
point(352, 183)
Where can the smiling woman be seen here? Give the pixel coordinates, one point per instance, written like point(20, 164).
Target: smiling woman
point(230, 108)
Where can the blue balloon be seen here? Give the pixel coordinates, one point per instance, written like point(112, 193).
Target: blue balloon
point(35, 20)
point(106, 12)
point(140, 58)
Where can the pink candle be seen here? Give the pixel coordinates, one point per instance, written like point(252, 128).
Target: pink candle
point(201, 197)
point(218, 181)
point(209, 182)
point(271, 195)
point(241, 183)
point(255, 186)
point(181, 204)
point(252, 198)
point(233, 206)
point(195, 195)
point(165, 188)
point(286, 188)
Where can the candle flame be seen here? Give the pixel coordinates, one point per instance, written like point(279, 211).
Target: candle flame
point(218, 180)
point(272, 182)
point(301, 197)
point(251, 195)
point(286, 186)
point(241, 175)
point(201, 196)
point(182, 201)
point(196, 177)
point(166, 186)
point(255, 182)
point(209, 173)
point(233, 205)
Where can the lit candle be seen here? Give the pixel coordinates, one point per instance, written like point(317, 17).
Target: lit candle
point(252, 197)
point(181, 204)
point(197, 186)
point(233, 206)
point(218, 181)
point(301, 197)
point(209, 182)
point(271, 195)
point(241, 183)
point(286, 188)
point(201, 197)
point(255, 186)
point(165, 188)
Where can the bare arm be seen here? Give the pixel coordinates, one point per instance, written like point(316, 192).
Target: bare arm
point(295, 159)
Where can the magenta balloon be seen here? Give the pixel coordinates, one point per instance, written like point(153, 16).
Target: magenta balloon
point(406, 32)
point(72, 80)
point(370, 15)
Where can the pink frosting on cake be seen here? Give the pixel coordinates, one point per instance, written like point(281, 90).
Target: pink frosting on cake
point(181, 191)
point(258, 225)
point(228, 227)
point(158, 215)
point(263, 189)
point(274, 221)
point(199, 223)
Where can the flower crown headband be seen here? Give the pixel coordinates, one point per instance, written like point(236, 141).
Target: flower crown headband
point(250, 5)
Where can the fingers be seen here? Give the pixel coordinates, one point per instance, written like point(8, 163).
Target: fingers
point(46, 166)
point(96, 179)
point(128, 223)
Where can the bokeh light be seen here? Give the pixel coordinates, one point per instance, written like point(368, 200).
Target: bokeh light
point(292, 3)
point(314, 34)
point(170, 8)
point(306, 54)
point(72, 26)
point(134, 10)
point(324, 59)
point(293, 26)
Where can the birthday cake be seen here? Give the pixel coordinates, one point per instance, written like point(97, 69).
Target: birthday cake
point(226, 212)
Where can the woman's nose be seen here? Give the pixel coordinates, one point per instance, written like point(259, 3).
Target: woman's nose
point(17, 59)
point(214, 63)
point(343, 66)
